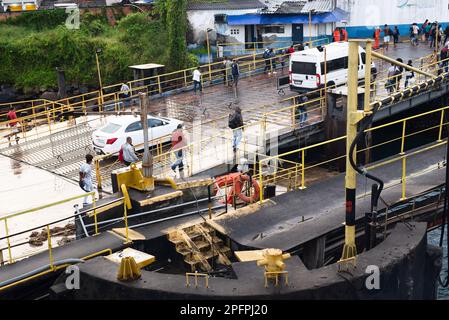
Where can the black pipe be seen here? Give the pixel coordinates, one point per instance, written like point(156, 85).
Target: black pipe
point(445, 283)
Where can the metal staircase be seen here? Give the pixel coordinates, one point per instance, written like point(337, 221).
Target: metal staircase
point(200, 247)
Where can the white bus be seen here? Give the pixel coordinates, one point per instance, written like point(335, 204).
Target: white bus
point(307, 71)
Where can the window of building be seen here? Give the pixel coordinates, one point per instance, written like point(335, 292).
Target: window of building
point(274, 29)
point(235, 31)
point(220, 19)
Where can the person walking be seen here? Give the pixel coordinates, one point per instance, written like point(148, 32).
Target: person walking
point(444, 55)
point(178, 143)
point(235, 72)
point(409, 75)
point(390, 85)
point(12, 118)
point(396, 35)
point(291, 50)
point(446, 34)
point(124, 94)
point(387, 38)
point(236, 124)
point(129, 154)
point(399, 72)
point(266, 57)
point(424, 30)
point(225, 70)
point(273, 61)
point(376, 37)
point(300, 47)
point(344, 35)
point(337, 35)
point(301, 113)
point(197, 81)
point(415, 34)
point(85, 177)
point(432, 35)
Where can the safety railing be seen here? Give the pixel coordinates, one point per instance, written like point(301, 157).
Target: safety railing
point(239, 48)
point(109, 96)
point(9, 238)
point(294, 174)
point(216, 147)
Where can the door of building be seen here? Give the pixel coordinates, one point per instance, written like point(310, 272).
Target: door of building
point(250, 36)
point(297, 33)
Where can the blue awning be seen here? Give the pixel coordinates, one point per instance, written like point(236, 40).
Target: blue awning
point(256, 19)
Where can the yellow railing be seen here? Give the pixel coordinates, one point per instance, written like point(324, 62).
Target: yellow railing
point(7, 218)
point(218, 142)
point(235, 48)
point(158, 84)
point(295, 174)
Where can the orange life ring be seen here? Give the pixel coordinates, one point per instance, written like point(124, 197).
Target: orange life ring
point(238, 185)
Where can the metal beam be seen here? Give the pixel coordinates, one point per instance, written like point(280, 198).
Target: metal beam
point(405, 66)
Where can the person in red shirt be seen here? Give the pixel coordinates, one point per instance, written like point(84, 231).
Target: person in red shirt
point(11, 115)
point(337, 35)
point(377, 38)
point(291, 50)
point(178, 141)
point(345, 34)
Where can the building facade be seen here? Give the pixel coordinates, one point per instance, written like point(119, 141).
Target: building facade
point(254, 24)
point(365, 15)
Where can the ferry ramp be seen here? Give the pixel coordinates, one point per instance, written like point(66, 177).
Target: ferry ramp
point(266, 115)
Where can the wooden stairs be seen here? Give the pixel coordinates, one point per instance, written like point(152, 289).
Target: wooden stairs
point(200, 247)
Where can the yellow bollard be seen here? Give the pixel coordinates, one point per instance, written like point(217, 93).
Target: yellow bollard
point(128, 270)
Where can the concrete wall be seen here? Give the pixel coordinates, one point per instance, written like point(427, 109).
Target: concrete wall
point(365, 15)
point(408, 270)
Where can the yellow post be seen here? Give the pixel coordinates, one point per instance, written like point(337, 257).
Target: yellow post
point(440, 134)
point(303, 170)
point(353, 116)
point(404, 178)
point(404, 124)
point(8, 242)
point(95, 214)
point(368, 61)
point(98, 174)
point(50, 253)
point(159, 84)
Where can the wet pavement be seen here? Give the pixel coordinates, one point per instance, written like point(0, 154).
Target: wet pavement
point(25, 187)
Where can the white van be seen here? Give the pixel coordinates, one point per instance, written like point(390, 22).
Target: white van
point(307, 72)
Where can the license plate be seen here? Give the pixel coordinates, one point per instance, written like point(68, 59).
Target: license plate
point(298, 82)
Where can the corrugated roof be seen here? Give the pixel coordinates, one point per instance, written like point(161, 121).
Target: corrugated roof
point(291, 7)
point(224, 4)
point(319, 6)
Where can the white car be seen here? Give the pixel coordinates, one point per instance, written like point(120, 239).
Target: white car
point(110, 138)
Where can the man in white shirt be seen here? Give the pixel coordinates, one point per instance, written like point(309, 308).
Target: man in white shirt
point(124, 93)
point(129, 154)
point(197, 81)
point(85, 181)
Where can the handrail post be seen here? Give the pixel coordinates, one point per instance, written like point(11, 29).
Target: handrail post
point(125, 213)
point(403, 137)
point(404, 178)
point(98, 174)
point(440, 134)
point(159, 84)
point(50, 253)
point(303, 164)
point(8, 242)
point(95, 214)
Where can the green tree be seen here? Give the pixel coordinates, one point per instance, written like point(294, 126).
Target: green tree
point(177, 29)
